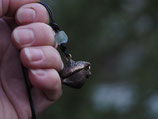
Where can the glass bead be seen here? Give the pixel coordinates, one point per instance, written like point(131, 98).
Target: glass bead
point(61, 37)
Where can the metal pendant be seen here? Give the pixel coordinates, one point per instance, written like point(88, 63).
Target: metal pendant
point(75, 74)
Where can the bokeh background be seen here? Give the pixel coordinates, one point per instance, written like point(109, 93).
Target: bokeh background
point(120, 39)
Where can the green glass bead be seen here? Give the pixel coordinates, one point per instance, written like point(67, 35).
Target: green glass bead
point(61, 37)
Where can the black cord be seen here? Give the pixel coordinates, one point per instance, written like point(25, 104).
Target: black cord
point(56, 28)
point(52, 23)
point(28, 88)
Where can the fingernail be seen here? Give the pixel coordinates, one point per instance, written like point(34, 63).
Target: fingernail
point(23, 37)
point(26, 15)
point(34, 54)
point(39, 73)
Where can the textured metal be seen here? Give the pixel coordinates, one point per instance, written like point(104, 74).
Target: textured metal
point(75, 74)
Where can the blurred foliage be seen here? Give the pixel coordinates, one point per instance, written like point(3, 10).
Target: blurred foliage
point(119, 38)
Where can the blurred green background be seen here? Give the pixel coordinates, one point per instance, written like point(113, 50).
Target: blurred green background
point(119, 38)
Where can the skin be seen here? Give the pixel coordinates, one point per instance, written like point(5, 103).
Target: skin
point(26, 37)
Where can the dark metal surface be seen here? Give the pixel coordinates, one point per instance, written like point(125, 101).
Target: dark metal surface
point(75, 74)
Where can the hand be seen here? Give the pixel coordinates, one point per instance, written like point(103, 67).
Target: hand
point(24, 24)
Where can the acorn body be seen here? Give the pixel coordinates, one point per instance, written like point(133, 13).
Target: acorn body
point(75, 74)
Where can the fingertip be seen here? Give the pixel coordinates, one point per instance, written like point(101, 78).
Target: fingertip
point(48, 81)
point(44, 57)
point(25, 16)
point(45, 79)
point(31, 13)
point(22, 37)
point(35, 34)
point(9, 7)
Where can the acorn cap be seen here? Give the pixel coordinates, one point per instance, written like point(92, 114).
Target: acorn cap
point(72, 67)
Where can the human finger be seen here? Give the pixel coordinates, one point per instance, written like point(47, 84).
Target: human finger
point(42, 57)
point(9, 7)
point(48, 81)
point(30, 13)
point(35, 34)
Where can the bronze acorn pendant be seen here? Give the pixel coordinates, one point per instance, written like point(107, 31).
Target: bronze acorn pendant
point(75, 74)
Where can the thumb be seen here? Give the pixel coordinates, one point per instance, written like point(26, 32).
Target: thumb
point(9, 7)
